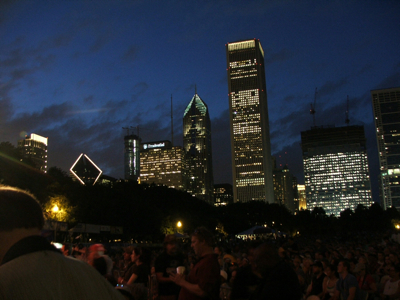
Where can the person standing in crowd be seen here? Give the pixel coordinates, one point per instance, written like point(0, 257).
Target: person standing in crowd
point(391, 290)
point(329, 284)
point(32, 268)
point(278, 280)
point(347, 285)
point(203, 281)
point(165, 264)
point(316, 287)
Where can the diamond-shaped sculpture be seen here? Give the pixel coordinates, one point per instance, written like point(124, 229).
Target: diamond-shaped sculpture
point(85, 170)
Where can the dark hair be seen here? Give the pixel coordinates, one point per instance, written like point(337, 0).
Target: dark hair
point(346, 263)
point(100, 265)
point(144, 254)
point(19, 209)
point(203, 234)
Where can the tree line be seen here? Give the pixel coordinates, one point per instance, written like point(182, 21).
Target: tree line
point(147, 212)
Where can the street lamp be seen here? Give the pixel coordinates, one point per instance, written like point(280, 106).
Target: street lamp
point(179, 224)
point(55, 210)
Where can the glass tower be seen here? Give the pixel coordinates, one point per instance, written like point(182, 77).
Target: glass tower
point(197, 172)
point(132, 157)
point(386, 103)
point(248, 107)
point(336, 169)
point(161, 164)
point(35, 147)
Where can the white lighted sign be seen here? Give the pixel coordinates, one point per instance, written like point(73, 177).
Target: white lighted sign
point(155, 145)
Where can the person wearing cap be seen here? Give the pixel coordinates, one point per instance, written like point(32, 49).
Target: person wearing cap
point(316, 288)
point(32, 268)
point(203, 281)
point(165, 264)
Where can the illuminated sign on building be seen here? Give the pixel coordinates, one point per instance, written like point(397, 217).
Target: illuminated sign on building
point(152, 146)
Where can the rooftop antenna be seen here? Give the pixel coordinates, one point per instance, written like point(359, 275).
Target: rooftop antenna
point(312, 109)
point(172, 124)
point(127, 130)
point(195, 89)
point(347, 121)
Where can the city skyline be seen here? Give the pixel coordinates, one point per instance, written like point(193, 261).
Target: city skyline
point(77, 72)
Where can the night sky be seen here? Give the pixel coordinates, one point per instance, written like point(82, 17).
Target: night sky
point(78, 71)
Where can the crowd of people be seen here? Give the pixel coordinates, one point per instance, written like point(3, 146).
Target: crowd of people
point(362, 266)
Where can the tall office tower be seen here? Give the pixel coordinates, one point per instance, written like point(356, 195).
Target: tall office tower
point(248, 107)
point(132, 157)
point(161, 164)
point(336, 168)
point(35, 148)
point(386, 103)
point(197, 171)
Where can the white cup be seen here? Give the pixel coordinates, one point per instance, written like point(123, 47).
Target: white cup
point(180, 270)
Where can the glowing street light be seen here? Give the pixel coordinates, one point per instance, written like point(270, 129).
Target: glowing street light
point(55, 209)
point(179, 224)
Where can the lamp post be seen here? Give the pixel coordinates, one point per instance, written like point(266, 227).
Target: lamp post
point(55, 210)
point(179, 225)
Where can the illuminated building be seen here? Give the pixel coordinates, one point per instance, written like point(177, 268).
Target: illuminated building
point(301, 192)
point(161, 164)
point(197, 172)
point(132, 157)
point(336, 168)
point(386, 103)
point(85, 170)
point(223, 194)
point(250, 141)
point(283, 188)
point(35, 148)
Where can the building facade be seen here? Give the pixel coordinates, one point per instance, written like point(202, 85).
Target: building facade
point(161, 164)
point(250, 141)
point(131, 157)
point(386, 105)
point(35, 148)
point(223, 194)
point(197, 171)
point(336, 169)
point(85, 170)
point(301, 197)
point(283, 188)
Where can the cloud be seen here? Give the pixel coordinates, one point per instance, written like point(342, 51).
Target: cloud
point(331, 87)
point(100, 42)
point(390, 81)
point(282, 55)
point(130, 54)
point(88, 99)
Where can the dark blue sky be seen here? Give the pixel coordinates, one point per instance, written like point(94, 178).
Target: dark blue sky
point(79, 71)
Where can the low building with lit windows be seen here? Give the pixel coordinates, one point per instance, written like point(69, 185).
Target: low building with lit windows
point(35, 148)
point(336, 169)
point(161, 164)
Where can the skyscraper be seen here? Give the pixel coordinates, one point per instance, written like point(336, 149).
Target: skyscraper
point(161, 164)
point(386, 103)
point(197, 171)
point(85, 170)
point(248, 107)
point(336, 169)
point(131, 157)
point(35, 148)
